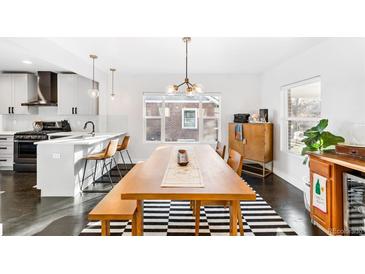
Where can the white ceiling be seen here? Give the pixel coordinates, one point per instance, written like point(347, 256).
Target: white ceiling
point(11, 57)
point(165, 55)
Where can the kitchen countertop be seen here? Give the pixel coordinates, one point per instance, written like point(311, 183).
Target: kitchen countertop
point(80, 138)
point(7, 132)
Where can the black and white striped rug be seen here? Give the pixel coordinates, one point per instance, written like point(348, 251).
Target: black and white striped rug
point(175, 218)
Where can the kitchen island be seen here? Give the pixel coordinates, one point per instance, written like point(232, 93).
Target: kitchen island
point(60, 162)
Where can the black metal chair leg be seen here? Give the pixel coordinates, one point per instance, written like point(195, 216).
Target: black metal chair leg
point(110, 178)
point(121, 155)
point(116, 164)
point(102, 171)
point(129, 156)
point(83, 176)
point(96, 165)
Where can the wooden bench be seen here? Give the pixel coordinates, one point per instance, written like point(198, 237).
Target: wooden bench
point(113, 208)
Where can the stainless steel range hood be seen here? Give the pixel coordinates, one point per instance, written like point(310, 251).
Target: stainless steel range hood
point(46, 88)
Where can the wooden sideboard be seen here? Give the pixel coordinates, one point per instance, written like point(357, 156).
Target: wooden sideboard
point(256, 146)
point(331, 166)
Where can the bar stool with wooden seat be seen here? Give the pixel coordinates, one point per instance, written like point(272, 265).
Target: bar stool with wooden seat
point(123, 147)
point(220, 149)
point(235, 161)
point(103, 156)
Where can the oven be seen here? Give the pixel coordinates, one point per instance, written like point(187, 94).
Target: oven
point(25, 155)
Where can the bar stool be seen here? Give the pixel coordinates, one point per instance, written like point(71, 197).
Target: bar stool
point(106, 154)
point(124, 147)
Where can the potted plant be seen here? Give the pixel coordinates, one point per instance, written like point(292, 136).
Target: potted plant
point(317, 139)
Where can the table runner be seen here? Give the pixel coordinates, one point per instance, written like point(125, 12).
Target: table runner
point(178, 176)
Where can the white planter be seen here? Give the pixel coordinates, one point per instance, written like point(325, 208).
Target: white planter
point(306, 192)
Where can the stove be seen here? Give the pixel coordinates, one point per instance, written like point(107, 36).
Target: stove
point(25, 151)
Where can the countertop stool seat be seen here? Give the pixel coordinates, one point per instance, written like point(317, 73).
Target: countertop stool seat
point(123, 147)
point(107, 154)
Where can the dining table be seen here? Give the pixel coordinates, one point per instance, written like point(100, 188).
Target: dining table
point(219, 182)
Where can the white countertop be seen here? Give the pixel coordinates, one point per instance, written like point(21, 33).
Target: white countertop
point(80, 138)
point(7, 132)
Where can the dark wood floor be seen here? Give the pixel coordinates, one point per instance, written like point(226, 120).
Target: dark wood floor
point(23, 212)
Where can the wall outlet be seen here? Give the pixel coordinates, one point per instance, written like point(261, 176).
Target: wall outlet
point(56, 155)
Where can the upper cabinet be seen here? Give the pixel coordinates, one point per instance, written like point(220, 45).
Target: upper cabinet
point(73, 97)
point(15, 89)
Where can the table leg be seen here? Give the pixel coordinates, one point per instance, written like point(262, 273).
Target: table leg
point(233, 220)
point(240, 220)
point(105, 228)
point(197, 217)
point(139, 218)
point(134, 224)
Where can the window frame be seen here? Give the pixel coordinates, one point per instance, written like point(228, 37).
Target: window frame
point(284, 142)
point(183, 118)
point(199, 117)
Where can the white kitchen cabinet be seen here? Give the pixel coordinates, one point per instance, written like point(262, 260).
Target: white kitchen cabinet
point(73, 97)
point(6, 152)
point(6, 93)
point(15, 89)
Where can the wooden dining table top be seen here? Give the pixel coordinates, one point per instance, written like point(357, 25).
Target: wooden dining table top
point(143, 182)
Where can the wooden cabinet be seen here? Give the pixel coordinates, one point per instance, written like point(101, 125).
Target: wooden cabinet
point(256, 146)
point(6, 152)
point(15, 89)
point(73, 97)
point(331, 167)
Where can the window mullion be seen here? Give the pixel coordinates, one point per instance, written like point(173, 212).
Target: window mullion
point(163, 120)
point(200, 119)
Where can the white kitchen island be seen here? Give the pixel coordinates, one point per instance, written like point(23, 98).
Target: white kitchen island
point(60, 162)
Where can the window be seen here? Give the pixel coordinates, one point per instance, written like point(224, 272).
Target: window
point(190, 118)
point(302, 111)
point(181, 119)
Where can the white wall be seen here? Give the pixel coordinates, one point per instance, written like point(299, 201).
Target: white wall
point(240, 93)
point(341, 64)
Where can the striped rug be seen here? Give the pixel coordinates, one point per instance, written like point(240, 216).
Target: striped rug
point(175, 218)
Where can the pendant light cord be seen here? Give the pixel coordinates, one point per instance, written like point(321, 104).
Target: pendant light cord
point(112, 82)
point(93, 73)
point(186, 59)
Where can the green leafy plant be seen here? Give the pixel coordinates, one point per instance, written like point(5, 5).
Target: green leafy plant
point(317, 139)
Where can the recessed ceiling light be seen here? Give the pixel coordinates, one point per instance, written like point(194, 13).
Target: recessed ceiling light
point(27, 62)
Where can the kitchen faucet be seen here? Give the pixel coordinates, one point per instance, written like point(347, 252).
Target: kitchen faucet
point(92, 123)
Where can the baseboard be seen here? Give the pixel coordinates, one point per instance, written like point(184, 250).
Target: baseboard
point(293, 181)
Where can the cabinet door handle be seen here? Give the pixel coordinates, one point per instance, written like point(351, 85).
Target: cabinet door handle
point(3, 147)
point(72, 110)
point(2, 160)
point(3, 139)
point(9, 110)
point(75, 110)
point(12, 110)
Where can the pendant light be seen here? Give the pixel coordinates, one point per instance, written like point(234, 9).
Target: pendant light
point(112, 95)
point(94, 91)
point(191, 89)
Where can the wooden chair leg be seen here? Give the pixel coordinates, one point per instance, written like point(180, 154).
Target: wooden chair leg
point(134, 225)
point(105, 228)
point(192, 206)
point(240, 221)
point(197, 217)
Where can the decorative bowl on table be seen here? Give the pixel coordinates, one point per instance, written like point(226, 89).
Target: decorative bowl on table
point(182, 157)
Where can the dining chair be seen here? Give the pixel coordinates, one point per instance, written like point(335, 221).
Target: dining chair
point(103, 156)
point(235, 161)
point(220, 149)
point(123, 147)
